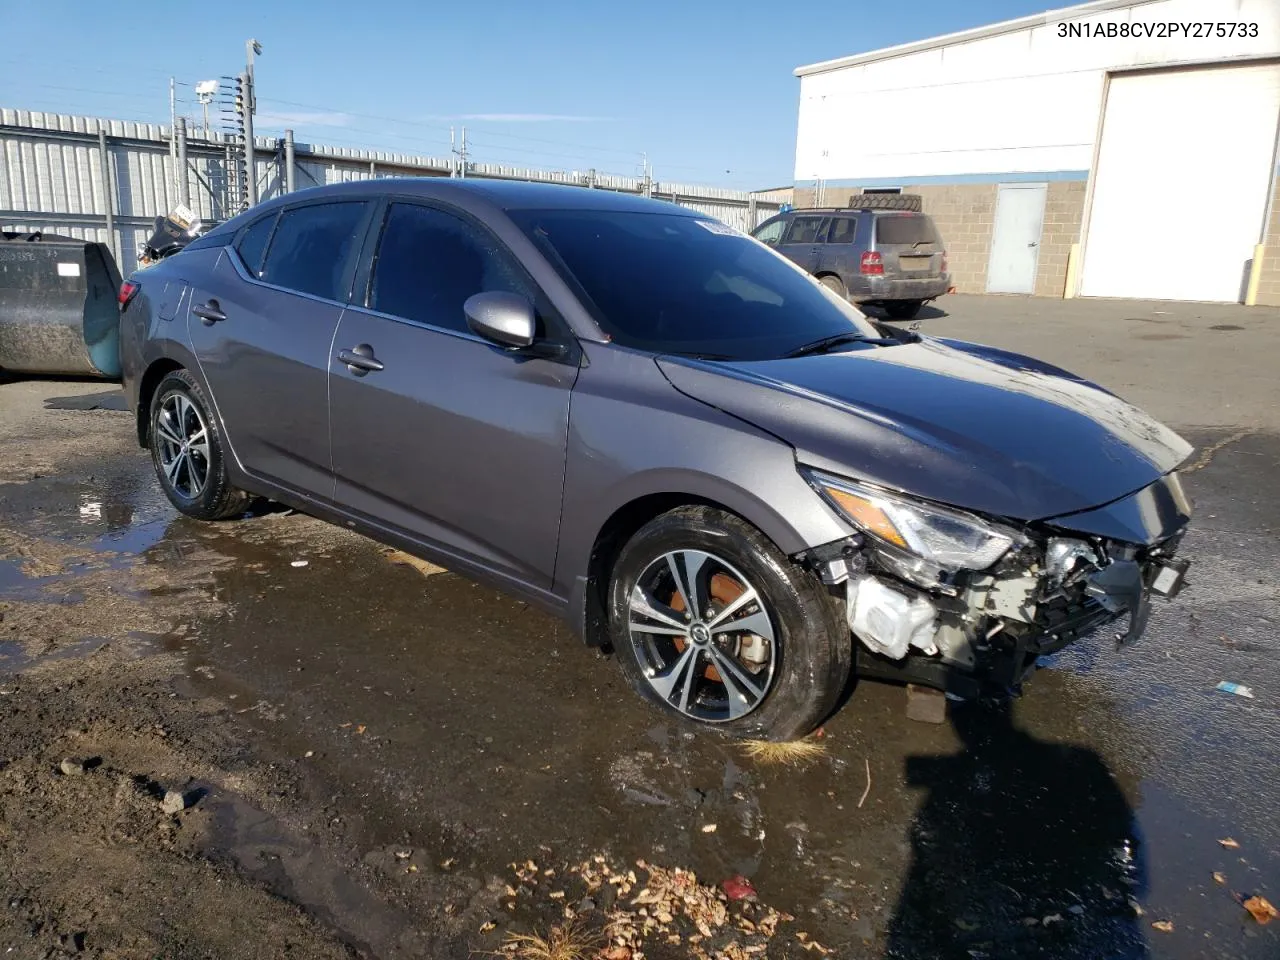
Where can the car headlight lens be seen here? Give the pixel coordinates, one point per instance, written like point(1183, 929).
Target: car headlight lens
point(949, 539)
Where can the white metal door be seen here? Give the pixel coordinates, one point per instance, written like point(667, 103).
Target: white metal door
point(1181, 183)
point(1015, 238)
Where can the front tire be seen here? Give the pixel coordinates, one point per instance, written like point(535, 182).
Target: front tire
point(188, 452)
point(714, 625)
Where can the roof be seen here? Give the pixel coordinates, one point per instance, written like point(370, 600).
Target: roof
point(976, 33)
point(802, 211)
point(503, 194)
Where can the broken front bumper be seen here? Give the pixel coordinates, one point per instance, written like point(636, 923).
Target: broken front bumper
point(983, 632)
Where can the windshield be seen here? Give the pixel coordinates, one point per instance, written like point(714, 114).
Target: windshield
point(668, 283)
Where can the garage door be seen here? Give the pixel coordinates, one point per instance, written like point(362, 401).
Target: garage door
point(1181, 185)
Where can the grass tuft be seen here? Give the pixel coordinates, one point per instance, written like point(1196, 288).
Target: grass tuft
point(570, 942)
point(787, 753)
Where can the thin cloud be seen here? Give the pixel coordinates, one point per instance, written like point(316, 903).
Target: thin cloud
point(527, 118)
point(303, 118)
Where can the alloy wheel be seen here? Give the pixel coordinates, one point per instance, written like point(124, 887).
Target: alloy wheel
point(703, 636)
point(183, 439)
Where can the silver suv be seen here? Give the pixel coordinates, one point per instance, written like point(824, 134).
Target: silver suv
point(893, 259)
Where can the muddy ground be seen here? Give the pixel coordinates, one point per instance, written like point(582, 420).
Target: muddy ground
point(381, 759)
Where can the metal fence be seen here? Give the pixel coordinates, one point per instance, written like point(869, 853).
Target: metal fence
point(107, 180)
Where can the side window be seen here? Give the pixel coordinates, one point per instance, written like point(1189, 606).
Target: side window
point(804, 230)
point(771, 232)
point(312, 246)
point(843, 230)
point(253, 244)
point(429, 263)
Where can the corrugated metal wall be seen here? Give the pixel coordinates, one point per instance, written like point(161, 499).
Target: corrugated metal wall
point(52, 178)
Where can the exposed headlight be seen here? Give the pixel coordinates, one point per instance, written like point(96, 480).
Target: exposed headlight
point(947, 539)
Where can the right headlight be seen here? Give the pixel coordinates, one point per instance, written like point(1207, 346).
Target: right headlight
point(946, 539)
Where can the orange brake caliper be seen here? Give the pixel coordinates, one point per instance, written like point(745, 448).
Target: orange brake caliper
point(724, 590)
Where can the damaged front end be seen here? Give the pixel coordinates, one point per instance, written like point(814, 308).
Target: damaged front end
point(968, 605)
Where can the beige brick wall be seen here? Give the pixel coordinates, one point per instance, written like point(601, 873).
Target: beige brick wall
point(965, 213)
point(1063, 212)
point(1269, 279)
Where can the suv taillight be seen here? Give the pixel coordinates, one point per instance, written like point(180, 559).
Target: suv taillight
point(871, 262)
point(128, 290)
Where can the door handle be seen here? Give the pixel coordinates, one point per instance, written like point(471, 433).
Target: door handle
point(209, 313)
point(360, 360)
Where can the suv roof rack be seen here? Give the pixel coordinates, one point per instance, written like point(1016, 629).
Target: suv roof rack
point(909, 202)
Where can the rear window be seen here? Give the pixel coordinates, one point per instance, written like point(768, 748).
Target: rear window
point(253, 244)
point(908, 229)
point(843, 230)
point(312, 246)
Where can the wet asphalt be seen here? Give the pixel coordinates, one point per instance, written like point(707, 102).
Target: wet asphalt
point(442, 713)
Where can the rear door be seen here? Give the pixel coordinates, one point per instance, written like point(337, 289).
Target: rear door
point(800, 242)
point(909, 245)
point(450, 439)
point(838, 253)
point(261, 326)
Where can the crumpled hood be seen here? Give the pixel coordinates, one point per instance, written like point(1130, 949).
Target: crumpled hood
point(957, 423)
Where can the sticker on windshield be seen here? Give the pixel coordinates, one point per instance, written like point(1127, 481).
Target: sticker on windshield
point(721, 229)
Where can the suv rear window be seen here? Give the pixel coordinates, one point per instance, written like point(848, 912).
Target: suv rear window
point(905, 229)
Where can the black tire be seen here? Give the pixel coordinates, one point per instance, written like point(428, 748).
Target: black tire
point(215, 498)
point(902, 309)
point(886, 201)
point(811, 650)
point(835, 285)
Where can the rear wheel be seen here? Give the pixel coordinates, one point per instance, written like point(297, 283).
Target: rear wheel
point(902, 309)
point(188, 453)
point(835, 285)
point(712, 623)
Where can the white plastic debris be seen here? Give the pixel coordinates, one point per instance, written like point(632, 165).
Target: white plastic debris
point(298, 563)
point(1239, 689)
point(887, 621)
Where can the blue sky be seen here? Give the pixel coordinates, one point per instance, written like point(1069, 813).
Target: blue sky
point(704, 87)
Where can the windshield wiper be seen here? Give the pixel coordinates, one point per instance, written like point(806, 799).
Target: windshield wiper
point(826, 343)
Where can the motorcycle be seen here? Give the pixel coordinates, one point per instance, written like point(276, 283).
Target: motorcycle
point(172, 233)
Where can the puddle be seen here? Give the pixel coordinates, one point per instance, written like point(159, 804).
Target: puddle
point(107, 400)
point(15, 659)
point(291, 866)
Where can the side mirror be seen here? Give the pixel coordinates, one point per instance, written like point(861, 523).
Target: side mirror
point(506, 319)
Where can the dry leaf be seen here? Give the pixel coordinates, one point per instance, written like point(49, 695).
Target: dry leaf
point(708, 828)
point(360, 729)
point(487, 926)
point(1230, 844)
point(1261, 909)
point(446, 864)
point(1220, 877)
point(1164, 926)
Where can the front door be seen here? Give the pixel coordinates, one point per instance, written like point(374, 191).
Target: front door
point(442, 435)
point(261, 331)
point(1015, 238)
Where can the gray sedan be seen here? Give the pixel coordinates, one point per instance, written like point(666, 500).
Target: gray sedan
point(657, 428)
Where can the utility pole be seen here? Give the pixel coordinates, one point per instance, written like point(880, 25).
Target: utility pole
point(648, 177)
point(250, 105)
point(173, 128)
point(459, 155)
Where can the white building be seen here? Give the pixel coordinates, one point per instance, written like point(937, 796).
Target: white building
point(1120, 148)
